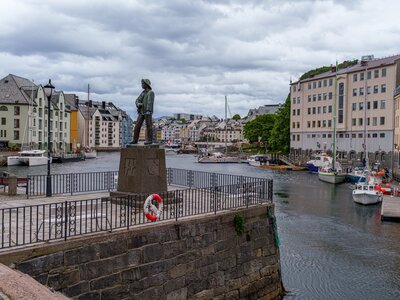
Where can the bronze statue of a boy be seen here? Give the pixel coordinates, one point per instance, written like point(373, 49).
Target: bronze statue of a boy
point(144, 104)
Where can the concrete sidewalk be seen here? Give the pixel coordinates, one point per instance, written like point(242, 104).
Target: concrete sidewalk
point(20, 200)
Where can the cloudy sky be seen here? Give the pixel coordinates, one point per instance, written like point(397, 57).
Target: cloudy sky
point(194, 51)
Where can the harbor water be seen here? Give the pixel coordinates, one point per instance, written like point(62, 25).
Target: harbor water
point(331, 248)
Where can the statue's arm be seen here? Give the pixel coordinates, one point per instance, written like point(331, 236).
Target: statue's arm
point(150, 103)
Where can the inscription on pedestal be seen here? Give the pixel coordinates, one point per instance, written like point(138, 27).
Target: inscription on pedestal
point(130, 167)
point(153, 167)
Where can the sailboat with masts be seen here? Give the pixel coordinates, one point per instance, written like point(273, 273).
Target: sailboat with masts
point(219, 157)
point(333, 172)
point(89, 152)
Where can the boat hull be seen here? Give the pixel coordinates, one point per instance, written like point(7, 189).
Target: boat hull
point(219, 160)
point(331, 177)
point(90, 155)
point(33, 161)
point(13, 161)
point(366, 197)
point(313, 169)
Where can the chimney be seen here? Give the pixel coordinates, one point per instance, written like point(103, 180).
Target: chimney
point(90, 103)
point(333, 69)
point(103, 104)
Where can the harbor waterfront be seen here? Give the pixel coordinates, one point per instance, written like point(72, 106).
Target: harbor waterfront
point(331, 248)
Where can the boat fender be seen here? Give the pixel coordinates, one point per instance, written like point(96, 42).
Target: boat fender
point(151, 211)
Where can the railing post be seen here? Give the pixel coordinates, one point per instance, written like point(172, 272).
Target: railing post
point(71, 182)
point(65, 220)
point(176, 207)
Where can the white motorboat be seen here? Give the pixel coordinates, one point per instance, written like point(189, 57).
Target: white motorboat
point(218, 157)
point(90, 153)
point(33, 157)
point(257, 160)
point(365, 193)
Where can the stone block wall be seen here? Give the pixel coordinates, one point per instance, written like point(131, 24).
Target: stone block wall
point(194, 258)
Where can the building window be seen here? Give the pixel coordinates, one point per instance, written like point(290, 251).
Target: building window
point(355, 77)
point(384, 72)
point(354, 106)
point(376, 73)
point(361, 105)
point(319, 109)
point(309, 98)
point(16, 135)
point(374, 135)
point(323, 124)
point(360, 121)
point(382, 135)
point(324, 109)
point(353, 135)
point(325, 82)
point(361, 91)
point(309, 85)
point(293, 137)
point(368, 75)
point(353, 122)
point(298, 137)
point(309, 111)
point(294, 112)
point(383, 104)
point(325, 96)
point(376, 89)
point(375, 104)
point(383, 88)
point(329, 125)
point(319, 83)
point(361, 76)
point(314, 97)
point(382, 121)
point(16, 110)
point(368, 123)
point(3, 108)
point(355, 92)
point(330, 95)
point(329, 108)
point(3, 121)
point(313, 111)
point(319, 97)
point(374, 121)
point(369, 105)
point(16, 123)
point(360, 135)
point(308, 124)
point(314, 85)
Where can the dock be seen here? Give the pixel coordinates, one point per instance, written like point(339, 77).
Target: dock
point(390, 209)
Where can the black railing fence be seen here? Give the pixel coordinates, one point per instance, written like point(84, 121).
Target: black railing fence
point(62, 220)
point(75, 183)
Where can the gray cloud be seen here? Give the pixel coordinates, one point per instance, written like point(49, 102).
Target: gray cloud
point(195, 52)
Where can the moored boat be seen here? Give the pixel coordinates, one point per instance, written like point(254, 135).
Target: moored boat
point(33, 157)
point(317, 161)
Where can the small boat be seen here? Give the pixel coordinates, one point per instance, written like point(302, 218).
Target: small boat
point(257, 160)
point(357, 174)
point(13, 160)
point(317, 161)
point(218, 157)
point(33, 157)
point(68, 157)
point(330, 175)
point(284, 167)
point(368, 192)
point(90, 153)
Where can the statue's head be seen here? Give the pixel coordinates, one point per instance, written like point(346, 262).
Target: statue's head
point(146, 82)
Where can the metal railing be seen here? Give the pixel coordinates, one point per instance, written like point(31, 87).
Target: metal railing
point(75, 183)
point(62, 220)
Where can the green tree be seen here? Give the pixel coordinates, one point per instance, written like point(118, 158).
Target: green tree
point(261, 127)
point(279, 140)
point(236, 117)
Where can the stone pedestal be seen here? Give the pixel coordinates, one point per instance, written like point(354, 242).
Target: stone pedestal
point(142, 170)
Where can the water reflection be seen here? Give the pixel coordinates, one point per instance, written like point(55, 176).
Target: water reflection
point(331, 248)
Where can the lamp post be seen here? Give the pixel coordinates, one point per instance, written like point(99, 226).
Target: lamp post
point(48, 91)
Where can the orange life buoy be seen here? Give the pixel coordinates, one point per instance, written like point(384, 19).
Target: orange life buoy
point(151, 211)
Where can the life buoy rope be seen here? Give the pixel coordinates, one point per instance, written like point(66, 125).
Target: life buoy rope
point(151, 211)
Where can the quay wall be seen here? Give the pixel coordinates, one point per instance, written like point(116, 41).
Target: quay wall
point(199, 257)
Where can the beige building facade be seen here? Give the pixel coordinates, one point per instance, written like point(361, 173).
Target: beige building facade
point(364, 108)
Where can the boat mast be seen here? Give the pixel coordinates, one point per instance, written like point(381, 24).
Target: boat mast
point(226, 125)
point(334, 120)
point(87, 117)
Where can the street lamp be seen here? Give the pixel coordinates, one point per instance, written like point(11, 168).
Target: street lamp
point(48, 91)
